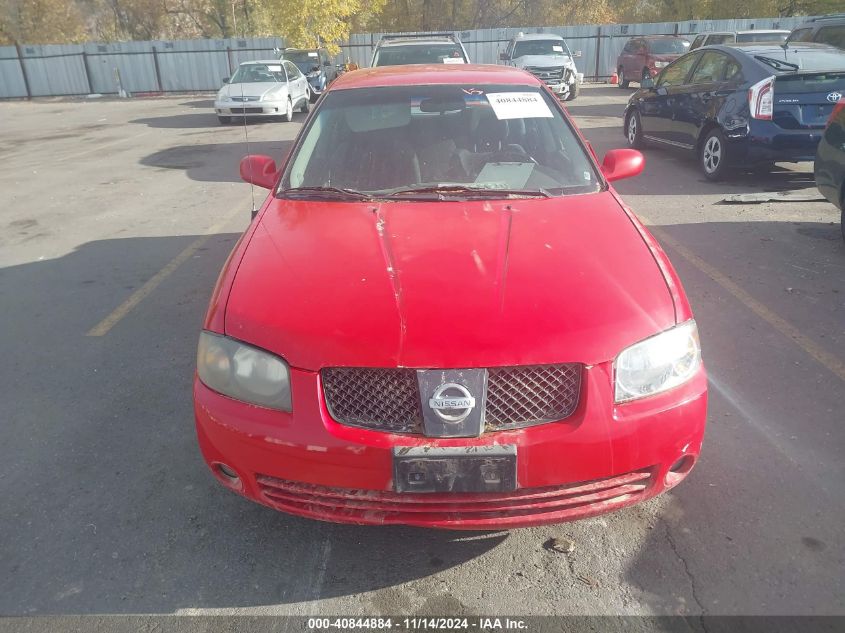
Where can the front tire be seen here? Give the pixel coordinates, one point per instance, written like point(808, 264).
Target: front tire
point(224, 120)
point(288, 116)
point(634, 130)
point(573, 91)
point(306, 103)
point(623, 83)
point(713, 155)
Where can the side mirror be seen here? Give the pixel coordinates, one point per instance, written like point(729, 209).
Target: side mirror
point(226, 80)
point(622, 163)
point(261, 171)
point(315, 69)
point(647, 83)
point(503, 57)
point(577, 53)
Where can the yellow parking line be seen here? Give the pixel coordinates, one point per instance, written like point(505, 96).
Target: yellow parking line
point(151, 284)
point(783, 326)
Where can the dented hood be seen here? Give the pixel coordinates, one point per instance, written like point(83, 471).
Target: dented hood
point(447, 284)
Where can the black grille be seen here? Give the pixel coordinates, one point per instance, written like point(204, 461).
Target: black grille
point(246, 110)
point(381, 399)
point(389, 399)
point(549, 75)
point(523, 396)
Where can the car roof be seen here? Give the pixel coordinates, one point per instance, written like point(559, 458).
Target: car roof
point(261, 61)
point(743, 32)
point(658, 37)
point(419, 41)
point(538, 36)
point(768, 48)
point(306, 50)
point(428, 74)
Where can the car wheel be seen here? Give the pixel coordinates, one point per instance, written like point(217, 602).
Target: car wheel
point(224, 119)
point(314, 96)
point(573, 91)
point(289, 112)
point(306, 103)
point(623, 83)
point(634, 130)
point(713, 155)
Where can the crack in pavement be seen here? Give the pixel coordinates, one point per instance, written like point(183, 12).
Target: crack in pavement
point(689, 574)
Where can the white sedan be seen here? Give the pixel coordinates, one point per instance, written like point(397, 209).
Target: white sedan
point(263, 89)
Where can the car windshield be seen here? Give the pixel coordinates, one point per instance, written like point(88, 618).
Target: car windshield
point(398, 55)
point(258, 73)
point(304, 60)
point(440, 140)
point(797, 58)
point(763, 36)
point(669, 46)
point(539, 47)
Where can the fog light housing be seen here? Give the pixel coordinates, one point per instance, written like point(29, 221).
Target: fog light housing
point(679, 470)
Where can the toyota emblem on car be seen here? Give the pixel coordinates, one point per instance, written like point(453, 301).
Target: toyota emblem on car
point(833, 97)
point(452, 402)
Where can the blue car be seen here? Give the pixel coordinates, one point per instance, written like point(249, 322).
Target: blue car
point(747, 105)
point(316, 65)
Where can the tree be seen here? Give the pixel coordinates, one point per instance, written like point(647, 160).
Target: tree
point(40, 22)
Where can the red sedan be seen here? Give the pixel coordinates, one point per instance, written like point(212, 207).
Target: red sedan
point(444, 315)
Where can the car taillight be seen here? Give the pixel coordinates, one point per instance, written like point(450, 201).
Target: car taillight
point(839, 107)
point(761, 99)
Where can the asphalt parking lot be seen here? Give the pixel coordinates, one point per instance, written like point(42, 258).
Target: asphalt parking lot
point(107, 506)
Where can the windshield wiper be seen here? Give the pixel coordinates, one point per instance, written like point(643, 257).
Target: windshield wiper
point(777, 64)
point(459, 190)
point(323, 193)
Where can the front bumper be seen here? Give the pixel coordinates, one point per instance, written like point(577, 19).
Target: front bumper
point(602, 458)
point(250, 108)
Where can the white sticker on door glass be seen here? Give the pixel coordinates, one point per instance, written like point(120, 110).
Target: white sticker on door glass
point(519, 105)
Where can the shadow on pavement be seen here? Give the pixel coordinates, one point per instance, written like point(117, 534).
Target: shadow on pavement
point(213, 162)
point(209, 120)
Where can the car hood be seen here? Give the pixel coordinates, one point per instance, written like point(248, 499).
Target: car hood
point(543, 61)
point(447, 284)
point(258, 89)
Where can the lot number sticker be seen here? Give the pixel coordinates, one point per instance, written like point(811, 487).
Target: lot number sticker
point(518, 105)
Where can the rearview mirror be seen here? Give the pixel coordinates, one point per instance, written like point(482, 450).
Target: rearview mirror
point(622, 163)
point(503, 57)
point(226, 80)
point(260, 171)
point(647, 83)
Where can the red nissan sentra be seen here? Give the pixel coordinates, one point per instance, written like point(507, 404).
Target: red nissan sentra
point(445, 316)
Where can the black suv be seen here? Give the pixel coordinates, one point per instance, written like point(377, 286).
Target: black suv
point(827, 29)
point(316, 65)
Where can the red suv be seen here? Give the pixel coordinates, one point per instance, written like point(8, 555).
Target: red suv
point(646, 56)
point(444, 315)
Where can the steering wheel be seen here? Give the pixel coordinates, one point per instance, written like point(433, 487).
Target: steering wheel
point(511, 156)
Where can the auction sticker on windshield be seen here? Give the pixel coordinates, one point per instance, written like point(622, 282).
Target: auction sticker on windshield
point(518, 105)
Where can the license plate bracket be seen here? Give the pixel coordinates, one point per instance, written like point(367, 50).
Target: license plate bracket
point(429, 469)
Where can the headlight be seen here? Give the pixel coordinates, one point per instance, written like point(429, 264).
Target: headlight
point(243, 372)
point(661, 64)
point(657, 363)
point(313, 74)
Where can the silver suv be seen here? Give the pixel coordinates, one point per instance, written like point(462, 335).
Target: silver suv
point(431, 48)
point(547, 57)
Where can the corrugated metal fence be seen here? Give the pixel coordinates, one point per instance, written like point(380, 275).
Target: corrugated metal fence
point(139, 67)
point(199, 65)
